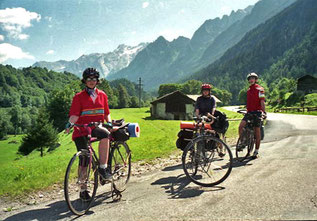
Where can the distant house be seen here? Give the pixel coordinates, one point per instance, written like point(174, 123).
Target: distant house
point(174, 106)
point(307, 83)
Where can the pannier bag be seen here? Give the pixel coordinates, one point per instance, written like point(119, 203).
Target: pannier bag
point(221, 124)
point(121, 134)
point(184, 137)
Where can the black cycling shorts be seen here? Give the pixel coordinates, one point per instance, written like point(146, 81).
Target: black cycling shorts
point(256, 119)
point(82, 142)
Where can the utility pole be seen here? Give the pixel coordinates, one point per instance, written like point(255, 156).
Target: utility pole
point(140, 90)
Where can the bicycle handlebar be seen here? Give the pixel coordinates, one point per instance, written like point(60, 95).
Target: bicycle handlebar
point(204, 118)
point(242, 112)
point(94, 124)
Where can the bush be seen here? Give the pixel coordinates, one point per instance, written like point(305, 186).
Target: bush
point(295, 99)
point(311, 99)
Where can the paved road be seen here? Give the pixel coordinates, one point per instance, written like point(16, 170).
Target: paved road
point(281, 184)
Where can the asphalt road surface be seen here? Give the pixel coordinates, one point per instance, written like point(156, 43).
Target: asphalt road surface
point(280, 184)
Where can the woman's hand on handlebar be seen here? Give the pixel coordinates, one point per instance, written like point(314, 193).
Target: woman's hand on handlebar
point(68, 127)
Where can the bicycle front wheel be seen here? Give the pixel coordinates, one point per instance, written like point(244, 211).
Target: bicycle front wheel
point(120, 162)
point(81, 182)
point(204, 164)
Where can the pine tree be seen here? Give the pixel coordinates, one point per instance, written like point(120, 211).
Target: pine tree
point(124, 99)
point(41, 136)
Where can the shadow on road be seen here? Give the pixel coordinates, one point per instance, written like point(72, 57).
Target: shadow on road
point(236, 163)
point(174, 167)
point(55, 211)
point(177, 186)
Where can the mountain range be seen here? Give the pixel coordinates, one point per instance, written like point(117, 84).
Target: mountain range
point(106, 63)
point(163, 61)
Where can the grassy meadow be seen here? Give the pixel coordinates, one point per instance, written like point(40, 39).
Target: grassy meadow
point(23, 174)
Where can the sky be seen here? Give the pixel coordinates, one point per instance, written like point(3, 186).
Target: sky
point(51, 30)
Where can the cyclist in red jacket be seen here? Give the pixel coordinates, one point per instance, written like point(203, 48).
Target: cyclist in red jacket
point(255, 105)
point(91, 105)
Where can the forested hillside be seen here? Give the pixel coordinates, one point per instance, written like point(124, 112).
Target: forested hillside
point(23, 92)
point(282, 47)
point(29, 86)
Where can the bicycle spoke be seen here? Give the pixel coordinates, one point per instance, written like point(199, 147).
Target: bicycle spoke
point(211, 168)
point(120, 165)
point(81, 181)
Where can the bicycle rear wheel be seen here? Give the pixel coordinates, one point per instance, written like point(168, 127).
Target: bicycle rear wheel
point(81, 175)
point(243, 144)
point(120, 162)
point(202, 162)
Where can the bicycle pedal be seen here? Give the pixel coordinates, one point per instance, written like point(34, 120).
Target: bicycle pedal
point(103, 182)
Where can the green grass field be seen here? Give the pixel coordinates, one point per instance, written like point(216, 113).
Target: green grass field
point(21, 175)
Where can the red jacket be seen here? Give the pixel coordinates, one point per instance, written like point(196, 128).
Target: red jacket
point(88, 111)
point(255, 94)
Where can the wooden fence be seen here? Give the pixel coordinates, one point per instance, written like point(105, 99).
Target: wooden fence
point(296, 109)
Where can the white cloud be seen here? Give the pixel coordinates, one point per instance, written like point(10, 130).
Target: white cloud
point(145, 4)
point(48, 18)
point(8, 51)
point(1, 37)
point(23, 36)
point(14, 20)
point(50, 52)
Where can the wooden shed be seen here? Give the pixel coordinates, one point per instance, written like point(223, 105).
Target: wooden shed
point(175, 106)
point(308, 84)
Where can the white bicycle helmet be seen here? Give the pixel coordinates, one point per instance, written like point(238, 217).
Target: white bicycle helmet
point(252, 75)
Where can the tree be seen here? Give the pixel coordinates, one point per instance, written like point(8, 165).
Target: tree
point(191, 87)
point(134, 102)
point(224, 95)
point(242, 97)
point(40, 136)
point(124, 99)
point(112, 98)
point(16, 118)
point(59, 105)
point(5, 126)
point(168, 88)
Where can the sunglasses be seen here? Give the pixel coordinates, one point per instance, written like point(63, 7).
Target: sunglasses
point(91, 79)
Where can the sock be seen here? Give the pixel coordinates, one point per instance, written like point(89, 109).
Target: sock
point(256, 151)
point(103, 166)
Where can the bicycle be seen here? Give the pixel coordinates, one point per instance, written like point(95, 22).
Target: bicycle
point(206, 160)
point(246, 141)
point(82, 170)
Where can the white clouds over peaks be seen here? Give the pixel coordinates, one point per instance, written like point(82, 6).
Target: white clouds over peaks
point(8, 51)
point(14, 20)
point(145, 4)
